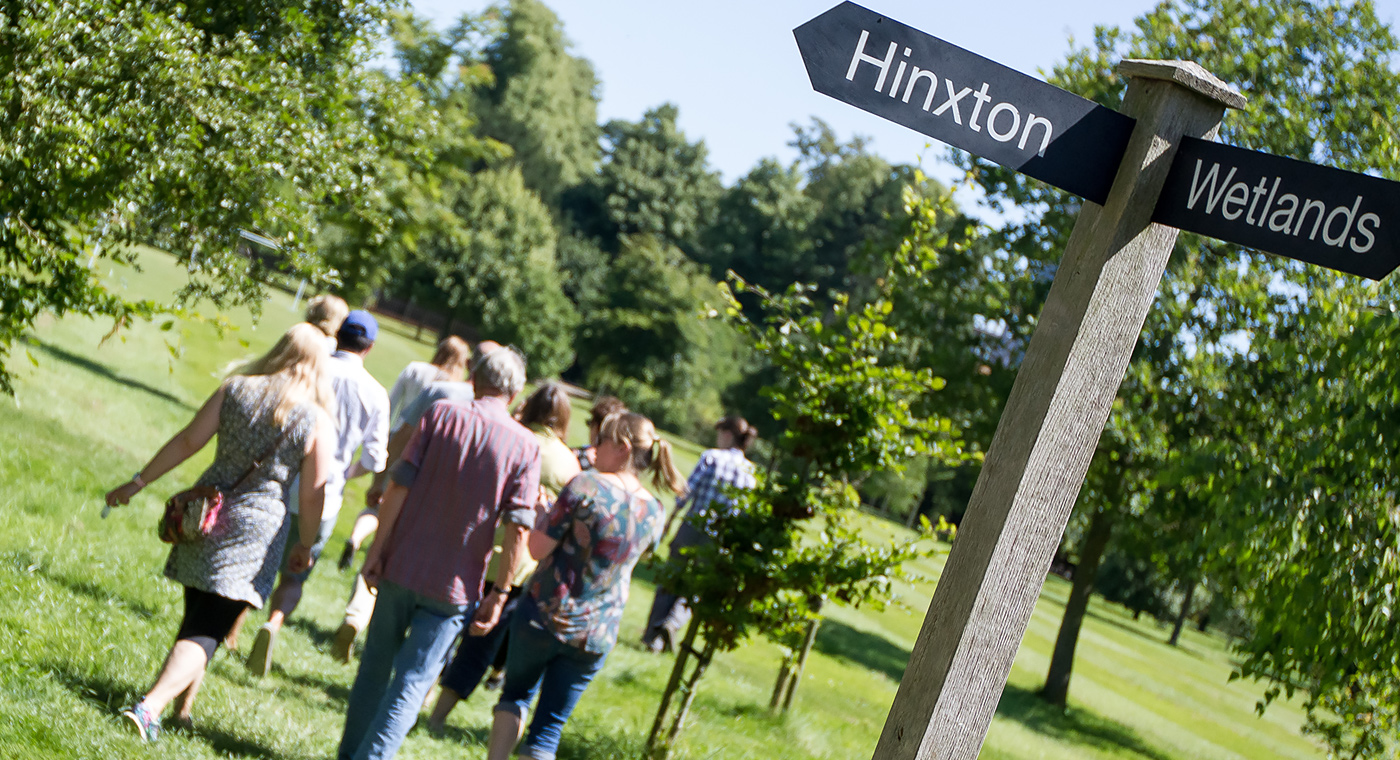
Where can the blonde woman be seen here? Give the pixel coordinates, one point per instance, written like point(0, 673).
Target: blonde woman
point(275, 410)
point(326, 313)
point(567, 620)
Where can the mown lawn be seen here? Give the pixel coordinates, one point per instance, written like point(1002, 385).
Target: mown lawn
point(86, 617)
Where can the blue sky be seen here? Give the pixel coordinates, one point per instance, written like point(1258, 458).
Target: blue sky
point(734, 71)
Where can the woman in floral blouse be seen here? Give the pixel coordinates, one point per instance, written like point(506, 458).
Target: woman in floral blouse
point(567, 622)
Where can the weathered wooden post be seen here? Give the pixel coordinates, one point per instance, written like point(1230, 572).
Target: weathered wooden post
point(1106, 282)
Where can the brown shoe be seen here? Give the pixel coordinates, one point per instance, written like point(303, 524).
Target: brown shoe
point(260, 659)
point(343, 646)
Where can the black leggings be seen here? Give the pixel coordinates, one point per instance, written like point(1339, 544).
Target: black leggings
point(208, 619)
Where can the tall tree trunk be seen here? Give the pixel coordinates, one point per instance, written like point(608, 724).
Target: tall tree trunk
point(924, 503)
point(781, 687)
point(677, 672)
point(663, 736)
point(1056, 689)
point(795, 678)
point(702, 661)
point(1182, 613)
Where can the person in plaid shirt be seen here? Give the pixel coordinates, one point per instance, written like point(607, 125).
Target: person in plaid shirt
point(720, 467)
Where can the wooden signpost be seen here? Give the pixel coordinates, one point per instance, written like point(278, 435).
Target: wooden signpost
point(1147, 172)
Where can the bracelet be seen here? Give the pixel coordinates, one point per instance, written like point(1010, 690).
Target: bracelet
point(137, 480)
point(496, 589)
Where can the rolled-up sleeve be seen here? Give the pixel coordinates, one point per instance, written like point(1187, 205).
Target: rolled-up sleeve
point(520, 500)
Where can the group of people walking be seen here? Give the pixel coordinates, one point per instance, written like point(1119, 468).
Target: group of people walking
point(490, 536)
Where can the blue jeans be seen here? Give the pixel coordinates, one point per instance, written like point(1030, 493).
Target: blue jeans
point(407, 643)
point(536, 658)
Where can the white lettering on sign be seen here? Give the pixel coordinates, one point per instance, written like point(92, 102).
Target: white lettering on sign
point(1003, 120)
point(1286, 214)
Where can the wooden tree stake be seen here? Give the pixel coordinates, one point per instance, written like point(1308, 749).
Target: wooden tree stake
point(1106, 282)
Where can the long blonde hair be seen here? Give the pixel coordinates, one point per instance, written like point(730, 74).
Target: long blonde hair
point(293, 372)
point(649, 452)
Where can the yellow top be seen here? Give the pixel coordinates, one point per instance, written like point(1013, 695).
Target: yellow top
point(558, 466)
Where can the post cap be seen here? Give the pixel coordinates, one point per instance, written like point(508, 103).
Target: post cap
point(1188, 74)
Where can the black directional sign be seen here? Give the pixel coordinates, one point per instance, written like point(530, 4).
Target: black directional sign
point(897, 72)
point(1333, 218)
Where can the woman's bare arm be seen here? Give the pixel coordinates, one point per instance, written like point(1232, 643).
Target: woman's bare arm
point(315, 471)
point(181, 447)
point(541, 544)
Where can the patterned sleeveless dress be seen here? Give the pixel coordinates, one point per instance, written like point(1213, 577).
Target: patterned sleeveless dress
point(240, 558)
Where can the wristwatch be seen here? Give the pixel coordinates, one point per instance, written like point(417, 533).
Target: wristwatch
point(496, 589)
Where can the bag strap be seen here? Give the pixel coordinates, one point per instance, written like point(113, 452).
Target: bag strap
point(258, 463)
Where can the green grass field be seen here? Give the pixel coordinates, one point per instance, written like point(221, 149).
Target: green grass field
point(87, 617)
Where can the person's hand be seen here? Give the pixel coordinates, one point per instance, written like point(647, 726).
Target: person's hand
point(121, 495)
point(373, 568)
point(300, 560)
point(545, 499)
point(488, 614)
point(374, 495)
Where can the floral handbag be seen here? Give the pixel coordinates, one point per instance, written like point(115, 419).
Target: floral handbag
point(191, 514)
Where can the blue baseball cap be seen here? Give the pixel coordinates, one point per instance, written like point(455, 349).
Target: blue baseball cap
point(363, 322)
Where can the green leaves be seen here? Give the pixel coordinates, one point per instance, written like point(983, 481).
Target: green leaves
point(122, 123)
point(847, 408)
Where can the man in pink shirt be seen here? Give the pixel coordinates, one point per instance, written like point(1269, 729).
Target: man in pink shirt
point(469, 466)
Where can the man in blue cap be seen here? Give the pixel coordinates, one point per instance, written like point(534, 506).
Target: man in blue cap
point(362, 417)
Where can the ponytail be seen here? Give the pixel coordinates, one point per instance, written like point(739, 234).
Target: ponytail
point(663, 469)
point(649, 452)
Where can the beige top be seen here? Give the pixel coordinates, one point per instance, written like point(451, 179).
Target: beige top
point(558, 466)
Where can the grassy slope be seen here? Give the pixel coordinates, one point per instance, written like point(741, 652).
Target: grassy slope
point(87, 618)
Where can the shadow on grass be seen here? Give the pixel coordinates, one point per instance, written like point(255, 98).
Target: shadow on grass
point(868, 650)
point(1073, 726)
point(592, 742)
point(1123, 625)
point(321, 637)
point(580, 741)
point(469, 737)
point(334, 690)
point(115, 697)
point(95, 687)
point(226, 744)
point(101, 369)
point(98, 593)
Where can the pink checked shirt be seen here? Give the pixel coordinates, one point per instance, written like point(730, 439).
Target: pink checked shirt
point(469, 466)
